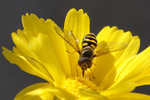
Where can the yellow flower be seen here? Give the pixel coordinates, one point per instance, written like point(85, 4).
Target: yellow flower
point(42, 52)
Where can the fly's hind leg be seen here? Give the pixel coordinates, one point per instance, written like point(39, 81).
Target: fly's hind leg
point(92, 72)
point(77, 70)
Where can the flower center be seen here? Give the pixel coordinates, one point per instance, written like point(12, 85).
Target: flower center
point(73, 84)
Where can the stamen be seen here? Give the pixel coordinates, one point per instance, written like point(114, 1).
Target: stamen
point(73, 85)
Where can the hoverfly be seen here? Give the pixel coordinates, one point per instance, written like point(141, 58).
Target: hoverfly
point(90, 49)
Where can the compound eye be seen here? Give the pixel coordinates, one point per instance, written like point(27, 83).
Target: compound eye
point(83, 61)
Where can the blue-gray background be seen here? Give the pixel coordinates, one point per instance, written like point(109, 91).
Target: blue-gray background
point(129, 15)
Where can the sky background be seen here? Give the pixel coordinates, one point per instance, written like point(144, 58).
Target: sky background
point(129, 15)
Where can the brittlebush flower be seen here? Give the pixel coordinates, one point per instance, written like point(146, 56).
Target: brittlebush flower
point(40, 51)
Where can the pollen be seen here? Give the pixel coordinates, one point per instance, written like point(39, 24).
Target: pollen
point(74, 84)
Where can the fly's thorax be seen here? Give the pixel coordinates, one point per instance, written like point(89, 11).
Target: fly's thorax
point(87, 52)
point(89, 40)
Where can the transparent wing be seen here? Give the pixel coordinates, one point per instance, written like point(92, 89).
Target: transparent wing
point(104, 48)
point(69, 37)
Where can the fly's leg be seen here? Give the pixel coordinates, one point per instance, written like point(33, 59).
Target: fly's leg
point(70, 52)
point(92, 72)
point(83, 72)
point(77, 70)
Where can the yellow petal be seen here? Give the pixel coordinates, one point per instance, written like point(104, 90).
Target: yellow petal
point(59, 46)
point(102, 65)
point(111, 35)
point(124, 40)
point(22, 36)
point(107, 81)
point(28, 25)
point(131, 49)
point(47, 27)
point(132, 96)
point(43, 48)
point(22, 45)
point(115, 36)
point(122, 62)
point(42, 27)
point(144, 77)
point(143, 81)
point(43, 91)
point(108, 34)
point(36, 91)
point(78, 23)
point(28, 65)
point(33, 25)
point(105, 33)
point(61, 93)
point(119, 89)
point(87, 94)
point(135, 67)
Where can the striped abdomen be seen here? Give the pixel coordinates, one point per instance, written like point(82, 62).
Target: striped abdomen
point(89, 40)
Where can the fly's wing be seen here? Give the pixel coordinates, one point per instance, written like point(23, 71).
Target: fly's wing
point(104, 48)
point(68, 37)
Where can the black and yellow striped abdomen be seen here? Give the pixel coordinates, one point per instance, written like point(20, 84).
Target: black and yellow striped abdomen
point(89, 40)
